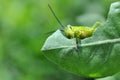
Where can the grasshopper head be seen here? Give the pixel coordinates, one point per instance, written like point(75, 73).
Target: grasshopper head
point(68, 32)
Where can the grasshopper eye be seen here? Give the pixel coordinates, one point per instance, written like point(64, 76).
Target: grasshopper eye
point(69, 26)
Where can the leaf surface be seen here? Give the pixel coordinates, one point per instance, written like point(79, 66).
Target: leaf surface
point(98, 56)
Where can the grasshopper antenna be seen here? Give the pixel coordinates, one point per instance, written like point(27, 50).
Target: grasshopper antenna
point(56, 16)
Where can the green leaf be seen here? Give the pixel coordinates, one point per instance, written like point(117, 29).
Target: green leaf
point(98, 56)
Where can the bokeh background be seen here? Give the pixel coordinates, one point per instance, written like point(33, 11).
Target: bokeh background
point(24, 27)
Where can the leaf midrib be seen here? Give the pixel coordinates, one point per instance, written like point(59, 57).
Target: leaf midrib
point(108, 41)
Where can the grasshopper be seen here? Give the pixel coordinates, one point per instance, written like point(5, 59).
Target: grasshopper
point(77, 32)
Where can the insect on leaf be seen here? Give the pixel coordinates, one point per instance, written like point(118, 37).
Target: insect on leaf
point(98, 56)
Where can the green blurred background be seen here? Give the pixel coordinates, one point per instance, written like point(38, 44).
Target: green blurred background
point(23, 28)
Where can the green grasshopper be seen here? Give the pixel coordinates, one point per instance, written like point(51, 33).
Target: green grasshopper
point(77, 32)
